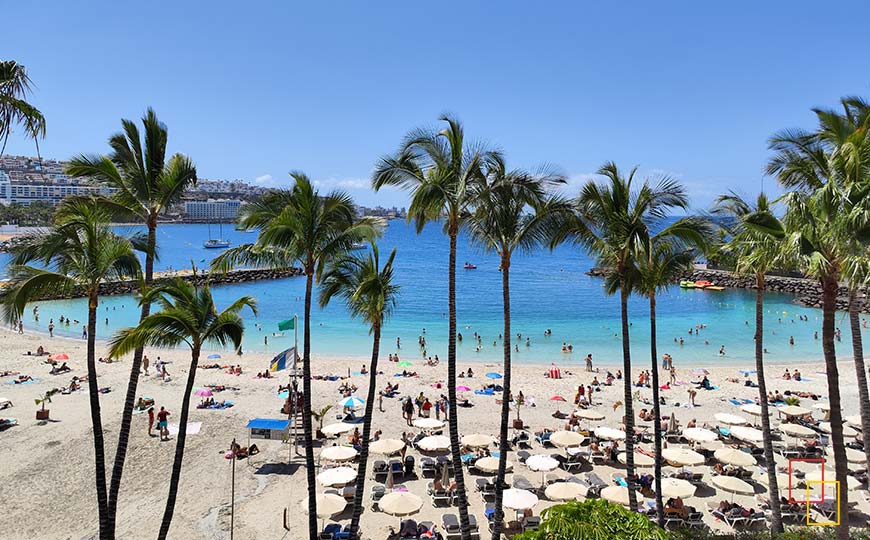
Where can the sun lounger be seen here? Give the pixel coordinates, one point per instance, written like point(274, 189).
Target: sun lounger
point(522, 456)
point(531, 523)
point(521, 482)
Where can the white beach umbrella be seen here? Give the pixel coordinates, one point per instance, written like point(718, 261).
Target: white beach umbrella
point(386, 446)
point(752, 408)
point(609, 434)
point(640, 460)
point(336, 429)
point(793, 410)
point(338, 476)
point(854, 421)
point(541, 463)
point(434, 443)
point(400, 503)
point(328, 505)
point(564, 491)
point(677, 487)
point(732, 484)
point(338, 453)
point(589, 414)
point(852, 455)
point(747, 434)
point(732, 456)
point(428, 423)
point(731, 419)
point(519, 499)
point(816, 476)
point(351, 402)
point(477, 440)
point(797, 430)
point(490, 465)
point(682, 457)
point(566, 438)
point(618, 495)
point(699, 435)
point(847, 431)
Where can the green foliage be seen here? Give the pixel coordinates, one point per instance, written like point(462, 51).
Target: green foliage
point(14, 109)
point(46, 398)
point(37, 214)
point(792, 400)
point(321, 414)
point(594, 519)
point(802, 533)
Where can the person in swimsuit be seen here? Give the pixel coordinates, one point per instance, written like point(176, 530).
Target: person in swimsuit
point(163, 424)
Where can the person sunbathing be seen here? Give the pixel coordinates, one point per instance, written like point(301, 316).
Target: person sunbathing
point(7, 373)
point(241, 452)
point(62, 369)
point(22, 379)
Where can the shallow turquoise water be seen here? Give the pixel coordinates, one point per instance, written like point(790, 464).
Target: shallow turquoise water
point(549, 290)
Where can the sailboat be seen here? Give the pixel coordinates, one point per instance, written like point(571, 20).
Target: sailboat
point(216, 243)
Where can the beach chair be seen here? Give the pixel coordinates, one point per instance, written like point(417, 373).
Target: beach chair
point(397, 468)
point(672, 517)
point(441, 496)
point(522, 456)
point(551, 479)
point(330, 531)
point(595, 484)
point(450, 524)
point(409, 465)
point(521, 482)
point(531, 523)
point(377, 493)
point(428, 467)
point(544, 440)
point(695, 520)
point(379, 470)
point(573, 463)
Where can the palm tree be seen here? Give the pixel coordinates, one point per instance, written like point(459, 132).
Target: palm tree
point(845, 134)
point(660, 262)
point(512, 212)
point(187, 316)
point(821, 231)
point(756, 254)
point(610, 221)
point(14, 109)
point(79, 252)
point(370, 293)
point(301, 226)
point(439, 169)
point(147, 185)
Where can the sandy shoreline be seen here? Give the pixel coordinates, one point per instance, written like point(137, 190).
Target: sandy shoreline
point(52, 469)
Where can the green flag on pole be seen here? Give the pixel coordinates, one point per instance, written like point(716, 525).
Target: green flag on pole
point(289, 324)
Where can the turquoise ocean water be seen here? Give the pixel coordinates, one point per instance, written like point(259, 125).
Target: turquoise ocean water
point(549, 290)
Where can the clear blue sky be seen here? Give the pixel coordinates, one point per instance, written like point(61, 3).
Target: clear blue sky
point(252, 90)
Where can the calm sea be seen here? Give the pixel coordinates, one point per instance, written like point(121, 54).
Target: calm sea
point(550, 290)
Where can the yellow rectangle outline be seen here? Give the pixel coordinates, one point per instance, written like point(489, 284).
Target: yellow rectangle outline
point(823, 523)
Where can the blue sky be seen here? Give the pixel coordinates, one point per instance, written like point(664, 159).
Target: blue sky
point(252, 90)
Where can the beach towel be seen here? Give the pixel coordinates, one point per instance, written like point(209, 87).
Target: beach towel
point(735, 402)
point(193, 428)
point(8, 422)
point(25, 382)
point(487, 392)
point(747, 401)
point(621, 481)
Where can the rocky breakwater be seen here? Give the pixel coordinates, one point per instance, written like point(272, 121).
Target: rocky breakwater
point(233, 276)
point(807, 292)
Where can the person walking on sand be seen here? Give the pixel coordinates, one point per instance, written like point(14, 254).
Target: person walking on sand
point(84, 332)
point(589, 362)
point(163, 424)
point(51, 328)
point(145, 363)
point(20, 327)
point(150, 421)
point(692, 394)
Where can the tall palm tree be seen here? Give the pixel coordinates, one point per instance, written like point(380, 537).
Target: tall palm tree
point(756, 254)
point(439, 169)
point(79, 252)
point(821, 230)
point(147, 186)
point(847, 136)
point(300, 226)
point(512, 212)
point(188, 316)
point(661, 261)
point(14, 108)
point(610, 221)
point(370, 293)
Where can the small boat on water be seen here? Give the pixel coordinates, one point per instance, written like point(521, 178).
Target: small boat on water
point(685, 284)
point(702, 283)
point(216, 243)
point(469, 266)
point(714, 288)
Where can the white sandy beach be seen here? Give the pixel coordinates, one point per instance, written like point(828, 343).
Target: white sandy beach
point(47, 473)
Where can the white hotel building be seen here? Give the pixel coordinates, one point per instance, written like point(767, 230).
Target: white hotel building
point(26, 193)
point(212, 210)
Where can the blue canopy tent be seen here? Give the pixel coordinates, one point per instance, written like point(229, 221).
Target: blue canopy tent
point(268, 428)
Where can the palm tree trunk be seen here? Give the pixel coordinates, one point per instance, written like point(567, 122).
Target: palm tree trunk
point(366, 434)
point(657, 409)
point(313, 529)
point(132, 386)
point(829, 305)
point(96, 420)
point(860, 372)
point(629, 409)
point(505, 398)
point(769, 463)
point(452, 417)
point(175, 477)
